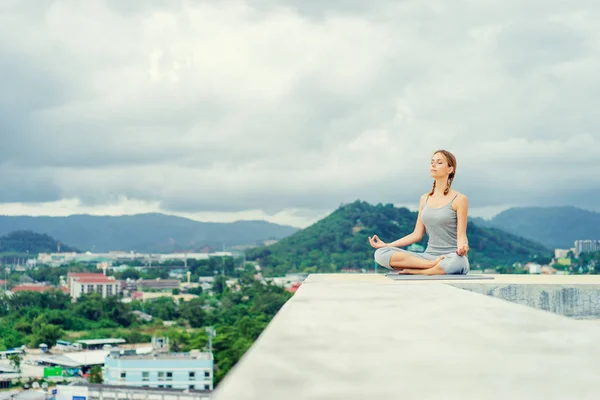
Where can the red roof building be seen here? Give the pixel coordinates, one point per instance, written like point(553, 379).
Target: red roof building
point(85, 282)
point(84, 275)
point(294, 288)
point(33, 288)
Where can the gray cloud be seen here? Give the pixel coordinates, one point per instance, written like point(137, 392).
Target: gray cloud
point(233, 106)
point(27, 186)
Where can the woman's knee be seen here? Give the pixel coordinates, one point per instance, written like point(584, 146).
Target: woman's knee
point(383, 255)
point(454, 264)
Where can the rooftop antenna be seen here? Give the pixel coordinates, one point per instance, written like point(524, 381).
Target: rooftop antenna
point(211, 333)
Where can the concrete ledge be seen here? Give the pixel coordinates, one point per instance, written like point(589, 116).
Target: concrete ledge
point(580, 301)
point(369, 337)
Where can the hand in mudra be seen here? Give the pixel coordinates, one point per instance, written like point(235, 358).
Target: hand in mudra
point(375, 242)
point(463, 248)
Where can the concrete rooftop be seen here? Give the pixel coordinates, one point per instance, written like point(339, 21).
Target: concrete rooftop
point(365, 336)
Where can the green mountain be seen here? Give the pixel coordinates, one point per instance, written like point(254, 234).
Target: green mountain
point(340, 240)
point(155, 233)
point(554, 227)
point(26, 242)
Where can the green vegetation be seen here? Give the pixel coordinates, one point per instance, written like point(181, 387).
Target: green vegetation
point(23, 243)
point(586, 263)
point(341, 241)
point(96, 374)
point(15, 362)
point(238, 317)
point(32, 318)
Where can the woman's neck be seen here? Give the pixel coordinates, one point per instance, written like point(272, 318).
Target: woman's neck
point(440, 186)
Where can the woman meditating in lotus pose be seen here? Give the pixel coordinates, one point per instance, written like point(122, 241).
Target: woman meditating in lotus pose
point(443, 215)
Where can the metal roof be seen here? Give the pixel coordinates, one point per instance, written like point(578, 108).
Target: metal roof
point(78, 359)
point(92, 342)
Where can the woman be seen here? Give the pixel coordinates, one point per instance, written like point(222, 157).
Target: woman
point(443, 215)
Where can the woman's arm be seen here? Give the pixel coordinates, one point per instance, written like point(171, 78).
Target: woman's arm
point(462, 211)
point(418, 232)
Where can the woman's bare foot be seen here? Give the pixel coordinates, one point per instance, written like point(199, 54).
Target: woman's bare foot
point(437, 261)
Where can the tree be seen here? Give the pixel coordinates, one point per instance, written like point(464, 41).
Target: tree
point(96, 375)
point(15, 361)
point(47, 334)
point(163, 308)
point(192, 311)
point(219, 284)
point(130, 273)
point(197, 291)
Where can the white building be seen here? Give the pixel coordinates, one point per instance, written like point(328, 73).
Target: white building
point(586, 246)
point(81, 283)
point(533, 268)
point(561, 253)
point(161, 369)
point(56, 258)
point(106, 392)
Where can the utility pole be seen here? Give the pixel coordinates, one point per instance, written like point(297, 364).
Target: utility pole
point(223, 268)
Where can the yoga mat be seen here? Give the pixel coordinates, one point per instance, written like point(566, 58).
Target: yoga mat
point(398, 277)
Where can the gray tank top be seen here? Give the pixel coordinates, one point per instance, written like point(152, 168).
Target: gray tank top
point(440, 224)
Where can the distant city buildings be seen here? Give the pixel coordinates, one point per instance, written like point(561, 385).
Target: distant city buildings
point(586, 246)
point(416, 248)
point(106, 260)
point(287, 281)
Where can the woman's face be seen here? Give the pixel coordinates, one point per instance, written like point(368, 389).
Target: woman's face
point(439, 166)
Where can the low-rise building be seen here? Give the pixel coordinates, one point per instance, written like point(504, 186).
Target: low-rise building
point(105, 392)
point(166, 284)
point(81, 283)
point(533, 268)
point(561, 253)
point(161, 369)
point(35, 287)
point(98, 344)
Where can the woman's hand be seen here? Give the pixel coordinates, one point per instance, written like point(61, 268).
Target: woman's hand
point(376, 242)
point(463, 247)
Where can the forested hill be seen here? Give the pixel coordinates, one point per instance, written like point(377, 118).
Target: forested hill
point(555, 227)
point(146, 233)
point(23, 242)
point(340, 240)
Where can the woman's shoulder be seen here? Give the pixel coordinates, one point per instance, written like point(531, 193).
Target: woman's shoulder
point(459, 197)
point(457, 194)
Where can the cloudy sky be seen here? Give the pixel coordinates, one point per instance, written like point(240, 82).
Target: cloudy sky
point(225, 110)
